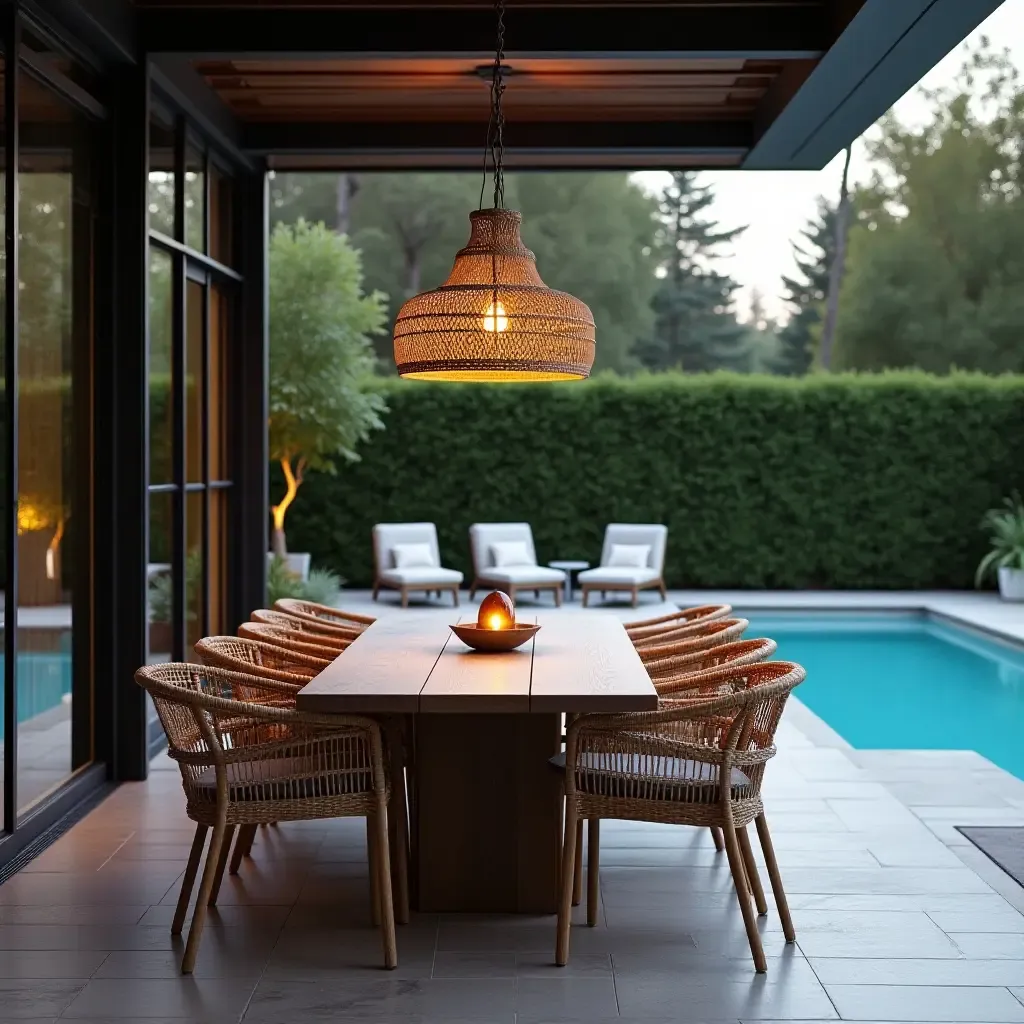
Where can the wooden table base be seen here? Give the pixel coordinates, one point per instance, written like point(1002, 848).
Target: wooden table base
point(488, 813)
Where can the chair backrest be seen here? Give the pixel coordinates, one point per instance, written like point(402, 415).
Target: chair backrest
point(387, 535)
point(712, 634)
point(670, 624)
point(237, 654)
point(687, 671)
point(654, 535)
point(323, 616)
point(483, 535)
point(319, 645)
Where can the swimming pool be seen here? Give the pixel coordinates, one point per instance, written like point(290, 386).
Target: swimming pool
point(900, 681)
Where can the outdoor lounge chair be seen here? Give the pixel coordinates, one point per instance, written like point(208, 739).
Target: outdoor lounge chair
point(406, 557)
point(504, 558)
point(632, 559)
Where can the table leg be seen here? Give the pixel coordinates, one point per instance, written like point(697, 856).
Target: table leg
point(489, 813)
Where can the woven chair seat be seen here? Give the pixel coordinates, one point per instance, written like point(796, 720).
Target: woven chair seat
point(644, 777)
point(284, 778)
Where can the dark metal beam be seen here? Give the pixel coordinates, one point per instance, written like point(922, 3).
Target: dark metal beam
point(882, 53)
point(765, 32)
point(459, 144)
point(175, 77)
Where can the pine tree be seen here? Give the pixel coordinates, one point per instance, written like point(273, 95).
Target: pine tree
point(805, 294)
point(695, 326)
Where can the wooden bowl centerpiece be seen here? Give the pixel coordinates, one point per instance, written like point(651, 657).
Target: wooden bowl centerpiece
point(496, 628)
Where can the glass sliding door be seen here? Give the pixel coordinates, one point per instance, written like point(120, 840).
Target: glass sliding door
point(52, 387)
point(192, 294)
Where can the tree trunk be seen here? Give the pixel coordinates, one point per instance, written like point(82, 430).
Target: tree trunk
point(412, 271)
point(835, 276)
point(278, 544)
point(346, 189)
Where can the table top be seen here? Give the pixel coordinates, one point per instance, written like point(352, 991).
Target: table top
point(563, 564)
point(403, 664)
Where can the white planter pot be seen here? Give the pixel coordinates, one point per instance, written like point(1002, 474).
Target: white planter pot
point(296, 562)
point(1011, 584)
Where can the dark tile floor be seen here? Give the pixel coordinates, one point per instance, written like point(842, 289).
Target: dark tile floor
point(897, 918)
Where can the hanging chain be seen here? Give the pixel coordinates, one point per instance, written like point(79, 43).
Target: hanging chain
point(496, 123)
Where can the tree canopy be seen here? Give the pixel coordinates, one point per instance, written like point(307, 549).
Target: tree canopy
point(320, 353)
point(936, 274)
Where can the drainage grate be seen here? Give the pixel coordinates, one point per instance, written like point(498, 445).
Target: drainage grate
point(54, 832)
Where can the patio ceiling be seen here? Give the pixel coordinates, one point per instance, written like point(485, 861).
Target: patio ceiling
point(595, 83)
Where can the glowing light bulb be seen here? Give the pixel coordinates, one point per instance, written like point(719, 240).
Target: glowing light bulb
point(495, 318)
point(496, 612)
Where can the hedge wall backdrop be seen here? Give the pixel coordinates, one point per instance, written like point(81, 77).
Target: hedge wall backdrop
point(825, 481)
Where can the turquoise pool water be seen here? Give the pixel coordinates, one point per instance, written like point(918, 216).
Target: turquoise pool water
point(903, 682)
point(43, 681)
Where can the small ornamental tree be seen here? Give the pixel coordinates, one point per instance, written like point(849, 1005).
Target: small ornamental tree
point(321, 357)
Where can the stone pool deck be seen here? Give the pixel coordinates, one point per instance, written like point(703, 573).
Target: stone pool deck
point(898, 917)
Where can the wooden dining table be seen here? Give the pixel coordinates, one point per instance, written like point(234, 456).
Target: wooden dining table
point(485, 804)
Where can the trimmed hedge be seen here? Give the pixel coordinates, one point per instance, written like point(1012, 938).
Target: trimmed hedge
point(827, 481)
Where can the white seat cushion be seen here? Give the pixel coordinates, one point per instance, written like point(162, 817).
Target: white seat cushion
point(612, 574)
point(421, 576)
point(523, 575)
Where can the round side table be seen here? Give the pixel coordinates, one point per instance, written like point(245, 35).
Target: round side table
point(569, 567)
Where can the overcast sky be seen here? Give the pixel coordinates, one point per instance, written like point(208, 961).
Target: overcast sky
point(776, 204)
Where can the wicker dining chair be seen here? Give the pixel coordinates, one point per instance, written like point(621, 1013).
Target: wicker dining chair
point(303, 628)
point(324, 617)
point(259, 658)
point(245, 761)
point(316, 645)
point(668, 766)
point(697, 615)
point(681, 629)
point(685, 671)
point(711, 634)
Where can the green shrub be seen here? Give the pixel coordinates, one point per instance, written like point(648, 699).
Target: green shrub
point(838, 481)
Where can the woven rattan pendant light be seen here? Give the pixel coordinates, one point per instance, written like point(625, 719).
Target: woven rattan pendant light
point(494, 319)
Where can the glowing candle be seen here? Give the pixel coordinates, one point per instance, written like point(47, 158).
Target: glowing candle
point(496, 611)
point(495, 318)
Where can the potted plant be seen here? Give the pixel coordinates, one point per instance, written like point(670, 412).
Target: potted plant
point(321, 585)
point(322, 404)
point(161, 602)
point(1005, 527)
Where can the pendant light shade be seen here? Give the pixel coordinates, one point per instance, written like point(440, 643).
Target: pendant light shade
point(494, 319)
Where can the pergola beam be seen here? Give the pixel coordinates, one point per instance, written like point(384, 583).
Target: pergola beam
point(790, 30)
point(458, 145)
point(810, 117)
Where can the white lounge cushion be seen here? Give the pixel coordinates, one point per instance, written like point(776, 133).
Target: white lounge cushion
point(421, 576)
point(654, 534)
point(387, 536)
point(613, 574)
point(412, 556)
point(483, 537)
point(629, 556)
point(509, 553)
point(523, 575)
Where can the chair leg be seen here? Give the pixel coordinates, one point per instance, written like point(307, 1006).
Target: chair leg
point(753, 878)
point(739, 878)
point(663, 589)
point(577, 866)
point(593, 869)
point(455, 596)
point(586, 596)
point(776, 879)
point(565, 900)
point(371, 860)
point(636, 597)
point(376, 590)
point(243, 844)
point(398, 839)
point(405, 598)
point(716, 835)
point(222, 863)
point(194, 856)
point(385, 910)
point(558, 597)
point(195, 929)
